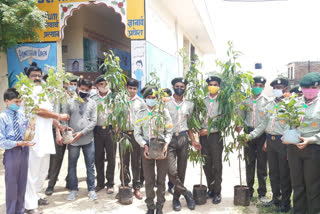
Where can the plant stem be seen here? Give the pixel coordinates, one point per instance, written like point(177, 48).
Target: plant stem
point(240, 168)
point(121, 160)
point(200, 169)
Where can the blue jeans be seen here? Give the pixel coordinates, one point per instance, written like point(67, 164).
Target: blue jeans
point(88, 153)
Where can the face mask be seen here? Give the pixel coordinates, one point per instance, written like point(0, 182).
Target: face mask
point(72, 88)
point(310, 93)
point(179, 91)
point(83, 94)
point(277, 92)
point(14, 107)
point(104, 89)
point(151, 102)
point(93, 92)
point(257, 90)
point(213, 89)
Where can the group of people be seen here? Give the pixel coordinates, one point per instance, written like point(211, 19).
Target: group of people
point(28, 163)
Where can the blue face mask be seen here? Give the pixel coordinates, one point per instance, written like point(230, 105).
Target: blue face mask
point(151, 102)
point(72, 88)
point(14, 107)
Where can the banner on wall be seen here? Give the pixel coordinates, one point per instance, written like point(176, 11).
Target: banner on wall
point(22, 55)
point(57, 12)
point(138, 62)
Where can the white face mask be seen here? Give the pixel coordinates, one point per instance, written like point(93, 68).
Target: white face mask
point(104, 89)
point(277, 93)
point(93, 92)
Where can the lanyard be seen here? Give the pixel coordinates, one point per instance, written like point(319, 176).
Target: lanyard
point(211, 106)
point(253, 120)
point(179, 111)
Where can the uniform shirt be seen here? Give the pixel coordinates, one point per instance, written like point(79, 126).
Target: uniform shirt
point(213, 112)
point(271, 124)
point(136, 104)
point(7, 135)
point(179, 113)
point(83, 118)
point(312, 120)
point(142, 132)
point(102, 119)
point(254, 114)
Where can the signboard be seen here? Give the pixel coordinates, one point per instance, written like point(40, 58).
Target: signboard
point(57, 12)
point(22, 55)
point(138, 62)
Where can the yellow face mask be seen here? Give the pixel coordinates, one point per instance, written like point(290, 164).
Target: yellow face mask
point(213, 89)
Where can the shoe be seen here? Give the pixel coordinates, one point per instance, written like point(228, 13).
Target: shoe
point(98, 188)
point(72, 195)
point(43, 202)
point(110, 190)
point(34, 211)
point(191, 204)
point(283, 209)
point(150, 211)
point(176, 205)
point(159, 211)
point(263, 199)
point(138, 194)
point(92, 195)
point(272, 202)
point(170, 190)
point(210, 194)
point(216, 199)
point(49, 191)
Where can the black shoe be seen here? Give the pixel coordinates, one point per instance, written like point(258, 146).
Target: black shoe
point(190, 202)
point(49, 191)
point(159, 211)
point(216, 199)
point(272, 202)
point(210, 194)
point(170, 190)
point(283, 209)
point(150, 211)
point(176, 205)
point(43, 202)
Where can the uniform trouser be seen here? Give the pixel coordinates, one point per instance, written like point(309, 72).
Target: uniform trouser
point(279, 171)
point(177, 160)
point(212, 147)
point(149, 174)
point(37, 172)
point(254, 155)
point(104, 143)
point(305, 176)
point(135, 164)
point(15, 162)
point(55, 164)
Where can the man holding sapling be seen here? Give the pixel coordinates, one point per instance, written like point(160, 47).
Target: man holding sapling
point(103, 138)
point(179, 110)
point(39, 154)
point(83, 119)
point(211, 141)
point(136, 104)
point(146, 131)
point(304, 157)
point(254, 154)
point(274, 128)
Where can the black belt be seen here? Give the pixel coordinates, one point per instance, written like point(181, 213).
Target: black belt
point(180, 133)
point(274, 137)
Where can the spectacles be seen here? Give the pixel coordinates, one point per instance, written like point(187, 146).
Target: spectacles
point(36, 76)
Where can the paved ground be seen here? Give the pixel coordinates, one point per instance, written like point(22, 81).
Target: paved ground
point(108, 204)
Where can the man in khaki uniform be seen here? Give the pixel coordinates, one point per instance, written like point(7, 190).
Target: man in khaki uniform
point(254, 154)
point(179, 110)
point(274, 127)
point(304, 157)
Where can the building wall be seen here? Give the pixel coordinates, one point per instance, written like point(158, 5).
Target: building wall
point(3, 78)
point(300, 69)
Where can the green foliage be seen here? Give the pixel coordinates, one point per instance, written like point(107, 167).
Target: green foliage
point(235, 87)
point(19, 21)
point(289, 111)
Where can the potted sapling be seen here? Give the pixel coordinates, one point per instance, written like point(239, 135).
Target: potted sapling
point(291, 113)
point(117, 104)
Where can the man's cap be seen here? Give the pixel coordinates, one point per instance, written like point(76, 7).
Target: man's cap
point(213, 78)
point(296, 89)
point(279, 81)
point(99, 79)
point(72, 78)
point(179, 79)
point(310, 79)
point(149, 90)
point(260, 79)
